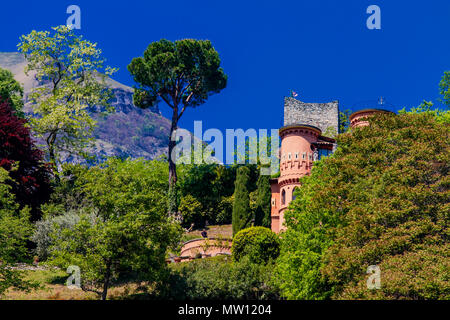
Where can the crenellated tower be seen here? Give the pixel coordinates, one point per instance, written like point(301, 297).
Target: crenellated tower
point(301, 144)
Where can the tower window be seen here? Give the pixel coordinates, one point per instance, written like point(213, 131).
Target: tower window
point(289, 156)
point(304, 155)
point(283, 197)
point(296, 155)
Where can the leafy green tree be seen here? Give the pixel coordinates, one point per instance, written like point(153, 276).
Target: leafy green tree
point(199, 181)
point(225, 210)
point(260, 244)
point(264, 195)
point(73, 86)
point(381, 199)
point(212, 185)
point(15, 229)
point(242, 213)
point(11, 92)
point(128, 233)
point(344, 121)
point(50, 230)
point(444, 86)
point(441, 116)
point(68, 194)
point(183, 74)
point(306, 239)
point(191, 211)
point(30, 177)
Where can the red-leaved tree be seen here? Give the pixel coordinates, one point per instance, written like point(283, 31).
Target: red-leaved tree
point(23, 160)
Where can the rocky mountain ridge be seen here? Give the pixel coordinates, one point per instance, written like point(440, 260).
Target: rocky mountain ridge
point(128, 132)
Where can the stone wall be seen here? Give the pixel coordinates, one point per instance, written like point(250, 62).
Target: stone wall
point(321, 115)
point(206, 246)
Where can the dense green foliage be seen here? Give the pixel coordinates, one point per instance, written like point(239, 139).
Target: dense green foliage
point(11, 91)
point(192, 211)
point(219, 278)
point(15, 230)
point(212, 185)
point(48, 231)
point(261, 245)
point(71, 67)
point(264, 195)
point(30, 177)
point(126, 230)
point(382, 199)
point(242, 213)
point(183, 74)
point(444, 86)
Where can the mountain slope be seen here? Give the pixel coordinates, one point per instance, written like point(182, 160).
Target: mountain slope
point(129, 132)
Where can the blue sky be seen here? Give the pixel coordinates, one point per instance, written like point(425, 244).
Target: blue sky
point(322, 49)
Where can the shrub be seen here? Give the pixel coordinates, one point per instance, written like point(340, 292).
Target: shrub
point(192, 211)
point(219, 278)
point(242, 213)
point(50, 231)
point(258, 243)
point(264, 195)
point(225, 210)
point(15, 229)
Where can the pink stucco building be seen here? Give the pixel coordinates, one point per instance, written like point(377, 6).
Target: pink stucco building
point(359, 118)
point(303, 142)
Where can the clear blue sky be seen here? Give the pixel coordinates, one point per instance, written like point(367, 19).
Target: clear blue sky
point(321, 48)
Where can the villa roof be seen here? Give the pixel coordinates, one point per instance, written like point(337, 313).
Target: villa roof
point(299, 125)
point(368, 110)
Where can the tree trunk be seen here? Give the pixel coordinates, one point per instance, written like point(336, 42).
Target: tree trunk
point(106, 282)
point(173, 207)
point(51, 150)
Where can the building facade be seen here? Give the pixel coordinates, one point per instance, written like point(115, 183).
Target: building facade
point(302, 143)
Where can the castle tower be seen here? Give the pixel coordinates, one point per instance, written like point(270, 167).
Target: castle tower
point(301, 144)
point(360, 118)
point(368, 109)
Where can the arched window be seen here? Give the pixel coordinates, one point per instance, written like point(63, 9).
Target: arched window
point(293, 193)
point(283, 197)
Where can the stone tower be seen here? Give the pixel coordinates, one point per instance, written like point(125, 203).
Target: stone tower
point(320, 115)
point(301, 144)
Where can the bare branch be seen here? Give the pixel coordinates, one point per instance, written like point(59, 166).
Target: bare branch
point(165, 100)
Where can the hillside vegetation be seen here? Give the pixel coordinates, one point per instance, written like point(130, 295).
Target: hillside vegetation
point(382, 199)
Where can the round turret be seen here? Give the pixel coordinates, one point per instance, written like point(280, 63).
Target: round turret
point(359, 118)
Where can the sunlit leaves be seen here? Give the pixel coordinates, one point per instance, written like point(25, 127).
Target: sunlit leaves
point(72, 86)
point(381, 199)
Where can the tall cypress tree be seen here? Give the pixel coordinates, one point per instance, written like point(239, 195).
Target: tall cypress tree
point(262, 213)
point(242, 214)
